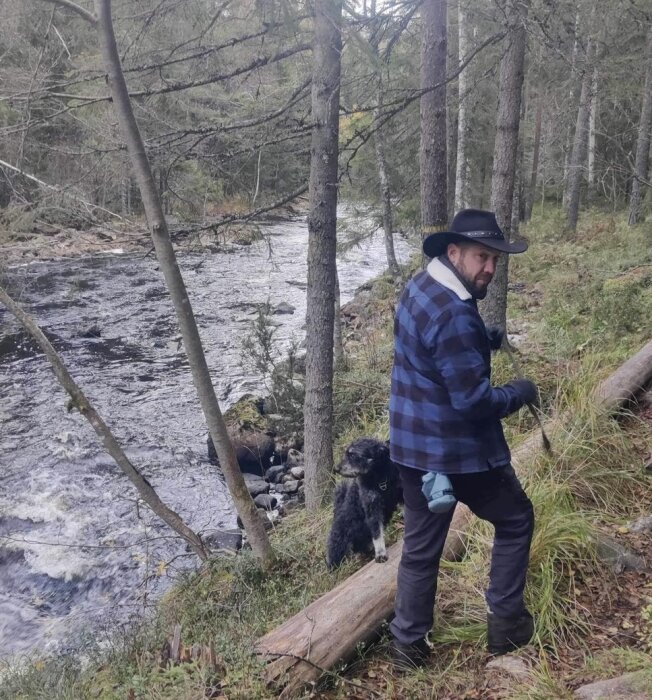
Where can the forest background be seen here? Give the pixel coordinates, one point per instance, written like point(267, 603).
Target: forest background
point(509, 106)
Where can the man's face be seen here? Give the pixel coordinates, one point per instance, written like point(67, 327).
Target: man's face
point(476, 264)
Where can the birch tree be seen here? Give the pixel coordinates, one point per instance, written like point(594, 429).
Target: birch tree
point(322, 223)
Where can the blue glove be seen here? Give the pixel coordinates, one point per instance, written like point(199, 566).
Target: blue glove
point(495, 335)
point(438, 491)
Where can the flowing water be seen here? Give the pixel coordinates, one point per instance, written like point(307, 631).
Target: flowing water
point(77, 550)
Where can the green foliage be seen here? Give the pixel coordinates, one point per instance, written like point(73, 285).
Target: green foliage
point(284, 384)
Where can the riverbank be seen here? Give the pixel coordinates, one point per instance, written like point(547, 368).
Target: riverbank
point(577, 309)
point(30, 241)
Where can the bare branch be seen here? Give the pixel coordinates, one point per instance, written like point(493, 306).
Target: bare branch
point(88, 16)
point(53, 188)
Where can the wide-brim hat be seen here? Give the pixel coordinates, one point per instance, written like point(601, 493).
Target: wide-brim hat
point(473, 226)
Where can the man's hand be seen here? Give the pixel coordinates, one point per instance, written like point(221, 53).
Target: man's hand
point(495, 335)
point(527, 390)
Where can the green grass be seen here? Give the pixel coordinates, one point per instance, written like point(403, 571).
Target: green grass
point(586, 305)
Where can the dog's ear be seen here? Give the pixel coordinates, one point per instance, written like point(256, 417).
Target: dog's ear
point(383, 450)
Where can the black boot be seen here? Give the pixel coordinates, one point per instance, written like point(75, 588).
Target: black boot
point(407, 657)
point(504, 634)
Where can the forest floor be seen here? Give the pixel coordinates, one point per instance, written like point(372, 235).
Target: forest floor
point(578, 308)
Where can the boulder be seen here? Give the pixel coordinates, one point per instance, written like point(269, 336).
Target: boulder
point(294, 458)
point(266, 501)
point(643, 524)
point(297, 472)
point(254, 450)
point(617, 556)
point(284, 308)
point(633, 686)
point(256, 485)
point(275, 474)
point(283, 445)
point(230, 540)
point(291, 487)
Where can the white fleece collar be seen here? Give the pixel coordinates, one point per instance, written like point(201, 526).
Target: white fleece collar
point(446, 277)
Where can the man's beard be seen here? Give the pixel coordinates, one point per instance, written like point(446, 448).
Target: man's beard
point(479, 291)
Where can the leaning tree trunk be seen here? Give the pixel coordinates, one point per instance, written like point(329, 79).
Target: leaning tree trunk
point(642, 143)
point(174, 281)
point(580, 144)
point(433, 161)
point(83, 405)
point(462, 164)
point(494, 307)
point(322, 220)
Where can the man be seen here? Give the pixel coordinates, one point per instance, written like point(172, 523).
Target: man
point(445, 418)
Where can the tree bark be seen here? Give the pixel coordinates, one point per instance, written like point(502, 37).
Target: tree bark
point(338, 342)
point(593, 108)
point(642, 143)
point(329, 630)
point(462, 164)
point(174, 281)
point(536, 150)
point(385, 193)
point(83, 405)
point(580, 143)
point(494, 307)
point(322, 221)
point(433, 160)
point(573, 94)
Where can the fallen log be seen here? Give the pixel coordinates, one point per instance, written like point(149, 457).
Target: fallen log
point(329, 630)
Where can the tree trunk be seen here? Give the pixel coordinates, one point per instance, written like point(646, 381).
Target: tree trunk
point(462, 164)
point(642, 143)
point(329, 630)
point(433, 160)
point(82, 404)
point(572, 101)
point(580, 144)
point(177, 289)
point(593, 107)
point(338, 342)
point(494, 307)
point(322, 220)
point(385, 193)
point(536, 150)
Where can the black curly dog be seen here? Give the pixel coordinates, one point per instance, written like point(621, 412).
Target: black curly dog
point(366, 503)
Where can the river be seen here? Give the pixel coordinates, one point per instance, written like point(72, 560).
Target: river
point(77, 550)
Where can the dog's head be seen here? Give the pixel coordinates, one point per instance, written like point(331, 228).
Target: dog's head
point(362, 456)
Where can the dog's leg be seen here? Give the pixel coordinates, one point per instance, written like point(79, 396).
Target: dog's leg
point(379, 545)
point(338, 544)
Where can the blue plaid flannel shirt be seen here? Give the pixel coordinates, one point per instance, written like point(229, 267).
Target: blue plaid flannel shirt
point(444, 413)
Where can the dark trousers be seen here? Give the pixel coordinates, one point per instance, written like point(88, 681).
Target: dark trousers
point(496, 496)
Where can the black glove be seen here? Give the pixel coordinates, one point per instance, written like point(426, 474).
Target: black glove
point(495, 335)
point(526, 390)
